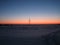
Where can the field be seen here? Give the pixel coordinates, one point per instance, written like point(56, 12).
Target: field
point(29, 34)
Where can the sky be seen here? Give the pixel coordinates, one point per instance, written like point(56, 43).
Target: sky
point(39, 11)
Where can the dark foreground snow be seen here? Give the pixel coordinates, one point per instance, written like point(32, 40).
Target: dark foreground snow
point(44, 35)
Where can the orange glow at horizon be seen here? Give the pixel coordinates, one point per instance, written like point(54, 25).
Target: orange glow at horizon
point(32, 22)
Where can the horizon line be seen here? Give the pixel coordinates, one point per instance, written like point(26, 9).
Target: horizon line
point(47, 23)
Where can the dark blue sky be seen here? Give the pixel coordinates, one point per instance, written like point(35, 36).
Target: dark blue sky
point(21, 10)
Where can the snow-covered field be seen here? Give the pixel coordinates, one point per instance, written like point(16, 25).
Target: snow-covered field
point(30, 34)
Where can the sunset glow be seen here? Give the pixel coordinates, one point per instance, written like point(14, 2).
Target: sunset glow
point(40, 12)
point(32, 22)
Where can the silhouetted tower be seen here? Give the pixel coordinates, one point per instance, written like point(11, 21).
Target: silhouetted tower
point(29, 20)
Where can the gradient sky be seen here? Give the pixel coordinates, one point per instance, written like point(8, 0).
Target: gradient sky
point(19, 11)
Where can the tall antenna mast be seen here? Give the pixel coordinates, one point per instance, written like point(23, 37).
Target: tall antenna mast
point(29, 20)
